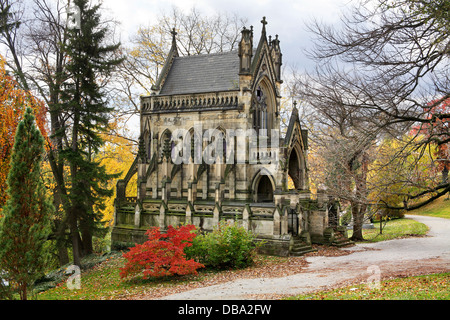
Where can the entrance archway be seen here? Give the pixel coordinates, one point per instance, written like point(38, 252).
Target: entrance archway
point(293, 222)
point(264, 190)
point(295, 170)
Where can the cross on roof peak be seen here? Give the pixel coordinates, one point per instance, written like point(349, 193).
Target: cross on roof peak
point(263, 21)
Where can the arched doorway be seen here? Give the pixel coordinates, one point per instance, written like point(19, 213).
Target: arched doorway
point(264, 190)
point(295, 171)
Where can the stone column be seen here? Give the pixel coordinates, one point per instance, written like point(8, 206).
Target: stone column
point(216, 215)
point(277, 222)
point(190, 195)
point(162, 216)
point(164, 191)
point(217, 193)
point(137, 216)
point(232, 184)
point(284, 221)
point(155, 185)
point(189, 210)
point(142, 190)
point(318, 221)
point(205, 185)
point(246, 217)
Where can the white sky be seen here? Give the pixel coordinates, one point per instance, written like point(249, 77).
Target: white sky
point(286, 18)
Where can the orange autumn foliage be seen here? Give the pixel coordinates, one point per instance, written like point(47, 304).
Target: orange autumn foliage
point(13, 103)
point(437, 130)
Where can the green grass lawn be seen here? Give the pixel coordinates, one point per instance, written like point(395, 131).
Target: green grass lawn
point(103, 281)
point(429, 287)
point(399, 228)
point(393, 229)
point(439, 208)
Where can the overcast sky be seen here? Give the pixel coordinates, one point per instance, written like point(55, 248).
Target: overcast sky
point(287, 18)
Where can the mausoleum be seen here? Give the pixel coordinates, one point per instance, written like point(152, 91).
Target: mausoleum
point(211, 150)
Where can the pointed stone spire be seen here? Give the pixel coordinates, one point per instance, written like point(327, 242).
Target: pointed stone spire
point(245, 51)
point(141, 151)
point(277, 56)
point(167, 64)
point(174, 42)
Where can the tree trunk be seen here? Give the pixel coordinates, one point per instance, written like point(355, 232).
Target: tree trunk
point(381, 224)
point(357, 222)
point(23, 291)
point(63, 256)
point(75, 237)
point(86, 237)
point(359, 206)
point(61, 246)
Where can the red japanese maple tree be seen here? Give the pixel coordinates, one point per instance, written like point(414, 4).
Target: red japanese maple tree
point(162, 254)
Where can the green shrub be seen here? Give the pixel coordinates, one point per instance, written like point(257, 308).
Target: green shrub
point(227, 246)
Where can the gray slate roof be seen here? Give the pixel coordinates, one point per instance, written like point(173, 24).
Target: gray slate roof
point(202, 73)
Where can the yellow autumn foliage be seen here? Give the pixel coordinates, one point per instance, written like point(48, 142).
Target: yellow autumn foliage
point(117, 156)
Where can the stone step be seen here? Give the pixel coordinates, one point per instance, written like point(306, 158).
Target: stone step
point(303, 249)
point(301, 253)
point(300, 247)
point(342, 243)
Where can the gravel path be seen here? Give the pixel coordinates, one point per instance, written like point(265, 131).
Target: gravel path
point(394, 258)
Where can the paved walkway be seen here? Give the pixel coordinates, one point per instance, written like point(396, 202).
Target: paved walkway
point(409, 256)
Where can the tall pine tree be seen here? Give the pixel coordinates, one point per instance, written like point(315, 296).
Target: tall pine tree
point(84, 100)
point(25, 225)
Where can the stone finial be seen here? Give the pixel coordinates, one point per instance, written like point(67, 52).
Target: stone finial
point(277, 56)
point(174, 33)
point(246, 50)
point(174, 42)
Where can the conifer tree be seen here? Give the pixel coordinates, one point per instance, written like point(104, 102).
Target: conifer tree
point(91, 61)
point(25, 225)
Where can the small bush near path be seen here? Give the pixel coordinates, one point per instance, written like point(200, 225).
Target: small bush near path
point(227, 246)
point(428, 287)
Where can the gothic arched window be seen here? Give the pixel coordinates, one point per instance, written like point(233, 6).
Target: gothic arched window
point(166, 144)
point(260, 114)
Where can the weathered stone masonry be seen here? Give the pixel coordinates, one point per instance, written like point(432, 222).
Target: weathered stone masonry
point(232, 91)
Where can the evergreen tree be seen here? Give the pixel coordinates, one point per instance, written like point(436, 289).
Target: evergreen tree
point(25, 225)
point(84, 100)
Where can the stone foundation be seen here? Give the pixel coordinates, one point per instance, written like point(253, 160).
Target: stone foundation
point(271, 224)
